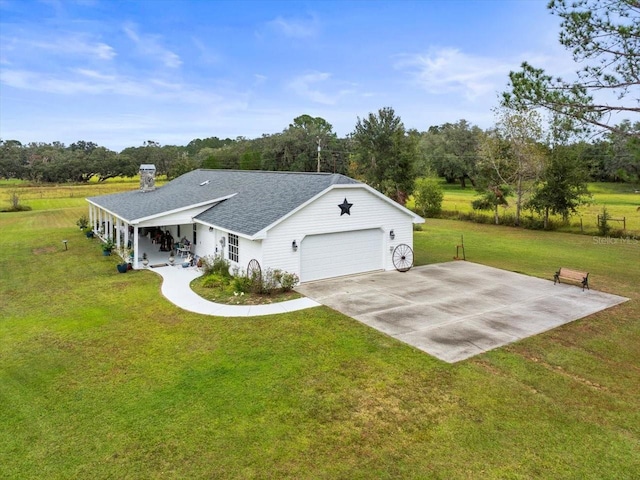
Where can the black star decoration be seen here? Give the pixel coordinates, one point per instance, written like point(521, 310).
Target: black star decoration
point(345, 207)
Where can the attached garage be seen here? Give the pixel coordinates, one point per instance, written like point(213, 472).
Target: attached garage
point(343, 253)
point(315, 225)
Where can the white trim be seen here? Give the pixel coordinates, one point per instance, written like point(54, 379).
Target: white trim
point(226, 230)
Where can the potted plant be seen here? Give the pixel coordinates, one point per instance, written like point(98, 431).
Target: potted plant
point(172, 257)
point(145, 259)
point(107, 247)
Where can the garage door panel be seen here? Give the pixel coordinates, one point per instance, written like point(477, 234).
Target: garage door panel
point(344, 253)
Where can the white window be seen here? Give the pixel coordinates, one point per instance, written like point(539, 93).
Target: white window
point(234, 243)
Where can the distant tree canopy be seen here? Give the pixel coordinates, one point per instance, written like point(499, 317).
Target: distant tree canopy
point(451, 150)
point(511, 160)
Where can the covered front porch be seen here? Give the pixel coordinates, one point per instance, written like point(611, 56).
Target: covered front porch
point(155, 255)
point(132, 241)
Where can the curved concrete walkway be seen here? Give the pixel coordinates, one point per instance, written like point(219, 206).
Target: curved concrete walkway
point(175, 287)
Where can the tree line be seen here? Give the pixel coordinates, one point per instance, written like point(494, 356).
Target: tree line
point(541, 163)
point(515, 158)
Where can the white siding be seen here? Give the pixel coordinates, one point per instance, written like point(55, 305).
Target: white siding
point(209, 244)
point(206, 241)
point(323, 216)
point(249, 250)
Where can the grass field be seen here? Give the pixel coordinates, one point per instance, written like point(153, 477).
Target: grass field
point(101, 377)
point(620, 199)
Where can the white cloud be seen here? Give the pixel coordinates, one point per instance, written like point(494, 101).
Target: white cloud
point(70, 45)
point(150, 45)
point(207, 55)
point(447, 70)
point(295, 27)
point(83, 82)
point(305, 86)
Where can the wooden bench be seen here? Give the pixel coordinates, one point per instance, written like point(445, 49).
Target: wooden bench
point(573, 275)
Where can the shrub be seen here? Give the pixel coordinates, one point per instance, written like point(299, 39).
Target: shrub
point(481, 204)
point(216, 265)
point(428, 197)
point(274, 280)
point(270, 280)
point(242, 284)
point(289, 281)
point(214, 281)
point(82, 222)
point(15, 205)
point(603, 222)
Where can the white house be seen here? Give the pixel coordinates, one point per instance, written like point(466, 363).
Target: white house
point(317, 225)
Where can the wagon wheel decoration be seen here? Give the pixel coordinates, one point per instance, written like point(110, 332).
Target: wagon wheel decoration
point(402, 257)
point(254, 272)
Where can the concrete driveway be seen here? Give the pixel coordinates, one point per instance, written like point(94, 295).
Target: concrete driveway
point(456, 310)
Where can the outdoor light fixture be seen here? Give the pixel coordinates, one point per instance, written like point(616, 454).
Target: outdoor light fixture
point(222, 240)
point(294, 246)
point(392, 234)
point(211, 229)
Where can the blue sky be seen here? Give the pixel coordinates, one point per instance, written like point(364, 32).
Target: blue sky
point(119, 73)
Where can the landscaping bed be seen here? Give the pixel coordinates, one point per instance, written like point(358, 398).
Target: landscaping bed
point(222, 290)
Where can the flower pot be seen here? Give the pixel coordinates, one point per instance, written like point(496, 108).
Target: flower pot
point(122, 267)
point(89, 234)
point(106, 253)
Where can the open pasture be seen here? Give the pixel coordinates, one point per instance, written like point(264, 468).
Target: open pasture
point(621, 200)
point(101, 377)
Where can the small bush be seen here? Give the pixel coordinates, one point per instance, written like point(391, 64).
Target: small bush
point(82, 222)
point(214, 281)
point(603, 222)
point(242, 284)
point(476, 217)
point(275, 280)
point(288, 281)
point(216, 265)
point(428, 197)
point(270, 281)
point(482, 204)
point(15, 205)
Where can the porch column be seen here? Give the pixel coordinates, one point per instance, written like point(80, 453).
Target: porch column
point(118, 227)
point(135, 247)
point(125, 225)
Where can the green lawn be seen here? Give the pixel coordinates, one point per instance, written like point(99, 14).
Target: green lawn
point(101, 377)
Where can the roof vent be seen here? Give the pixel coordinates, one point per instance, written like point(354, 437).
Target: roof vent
point(147, 177)
point(206, 182)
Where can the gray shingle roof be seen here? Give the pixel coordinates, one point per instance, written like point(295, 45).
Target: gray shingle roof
point(260, 198)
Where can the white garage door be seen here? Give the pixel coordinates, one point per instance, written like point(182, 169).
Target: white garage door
point(336, 254)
